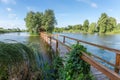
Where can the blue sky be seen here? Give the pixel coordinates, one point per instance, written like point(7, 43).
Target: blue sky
point(67, 12)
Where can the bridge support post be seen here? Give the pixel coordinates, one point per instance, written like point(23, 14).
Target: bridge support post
point(63, 39)
point(56, 45)
point(117, 63)
point(50, 41)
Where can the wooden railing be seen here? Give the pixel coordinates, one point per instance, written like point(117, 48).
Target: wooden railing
point(113, 75)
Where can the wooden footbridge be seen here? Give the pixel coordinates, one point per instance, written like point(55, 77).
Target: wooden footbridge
point(97, 68)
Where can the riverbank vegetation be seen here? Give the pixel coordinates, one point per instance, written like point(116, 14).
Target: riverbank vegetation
point(21, 62)
point(72, 67)
point(105, 25)
point(40, 20)
point(2, 30)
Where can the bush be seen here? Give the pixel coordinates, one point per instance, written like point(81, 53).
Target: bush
point(74, 67)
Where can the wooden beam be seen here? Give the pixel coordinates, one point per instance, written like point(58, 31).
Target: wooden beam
point(96, 45)
point(117, 62)
point(109, 73)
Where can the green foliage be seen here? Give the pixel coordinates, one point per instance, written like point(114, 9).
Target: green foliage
point(85, 25)
point(106, 23)
point(74, 67)
point(15, 58)
point(2, 30)
point(35, 21)
point(92, 28)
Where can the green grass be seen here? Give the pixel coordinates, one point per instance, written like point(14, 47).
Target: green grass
point(14, 59)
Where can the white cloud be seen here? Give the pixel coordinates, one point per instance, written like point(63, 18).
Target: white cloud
point(9, 9)
point(8, 1)
point(92, 4)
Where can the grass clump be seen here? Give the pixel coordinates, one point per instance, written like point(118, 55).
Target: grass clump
point(17, 61)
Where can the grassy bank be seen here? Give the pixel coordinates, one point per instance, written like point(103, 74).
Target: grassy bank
point(2, 30)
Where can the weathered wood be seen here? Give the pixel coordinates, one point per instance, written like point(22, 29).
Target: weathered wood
point(96, 45)
point(111, 74)
point(111, 64)
point(50, 41)
point(56, 45)
point(117, 62)
point(63, 39)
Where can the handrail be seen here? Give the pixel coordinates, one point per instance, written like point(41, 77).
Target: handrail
point(100, 46)
point(111, 74)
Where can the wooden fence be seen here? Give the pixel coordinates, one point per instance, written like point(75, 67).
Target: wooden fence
point(113, 75)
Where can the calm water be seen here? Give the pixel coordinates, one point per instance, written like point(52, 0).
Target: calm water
point(112, 41)
point(25, 38)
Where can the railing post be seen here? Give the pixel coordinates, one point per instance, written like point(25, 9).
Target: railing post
point(56, 45)
point(77, 42)
point(63, 39)
point(117, 63)
point(50, 41)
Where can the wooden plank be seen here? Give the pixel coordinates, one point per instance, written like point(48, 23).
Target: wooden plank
point(111, 64)
point(109, 73)
point(117, 62)
point(56, 45)
point(64, 39)
point(100, 46)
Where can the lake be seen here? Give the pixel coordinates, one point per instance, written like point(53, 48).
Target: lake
point(112, 41)
point(25, 38)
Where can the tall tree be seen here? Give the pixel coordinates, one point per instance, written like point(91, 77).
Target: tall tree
point(30, 21)
point(49, 20)
point(111, 24)
point(34, 21)
point(102, 23)
point(86, 25)
point(92, 28)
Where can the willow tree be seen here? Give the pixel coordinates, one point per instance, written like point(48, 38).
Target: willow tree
point(35, 21)
point(85, 25)
point(48, 20)
point(106, 23)
point(92, 28)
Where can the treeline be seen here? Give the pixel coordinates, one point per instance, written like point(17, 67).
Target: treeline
point(44, 20)
point(2, 30)
point(105, 24)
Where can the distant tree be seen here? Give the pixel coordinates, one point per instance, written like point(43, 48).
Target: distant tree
point(85, 25)
point(30, 21)
point(102, 23)
point(111, 24)
point(118, 26)
point(92, 28)
point(76, 27)
point(70, 27)
point(49, 20)
point(38, 21)
point(106, 23)
point(34, 21)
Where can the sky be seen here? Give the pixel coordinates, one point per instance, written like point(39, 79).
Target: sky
point(67, 12)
